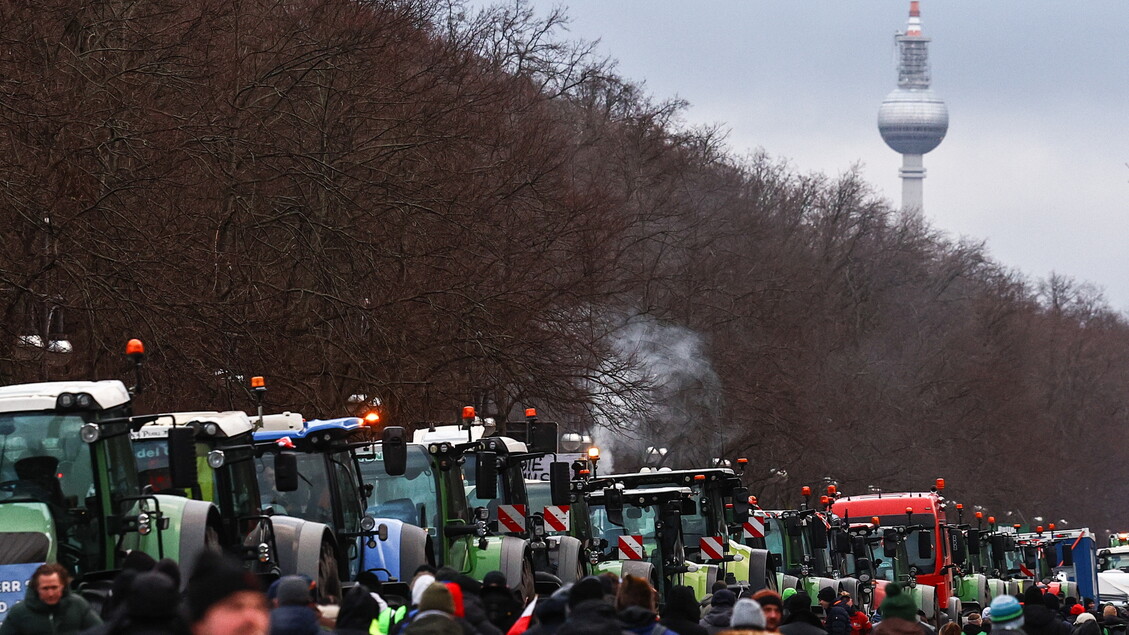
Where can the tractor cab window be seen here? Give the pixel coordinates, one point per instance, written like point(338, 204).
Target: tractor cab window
point(43, 459)
point(412, 498)
point(312, 499)
point(637, 521)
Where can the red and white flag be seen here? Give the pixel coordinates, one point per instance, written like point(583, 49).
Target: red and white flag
point(522, 623)
point(285, 442)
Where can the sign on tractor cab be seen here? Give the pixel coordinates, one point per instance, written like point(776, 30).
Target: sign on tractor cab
point(538, 469)
point(14, 579)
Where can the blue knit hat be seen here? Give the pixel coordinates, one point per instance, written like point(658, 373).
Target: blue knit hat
point(1005, 609)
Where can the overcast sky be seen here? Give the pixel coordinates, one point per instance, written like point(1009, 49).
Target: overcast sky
point(1034, 162)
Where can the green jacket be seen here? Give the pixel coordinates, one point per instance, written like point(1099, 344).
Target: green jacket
point(71, 615)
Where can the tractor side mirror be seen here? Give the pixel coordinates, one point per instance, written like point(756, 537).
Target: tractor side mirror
point(286, 472)
point(559, 477)
point(960, 548)
point(819, 534)
point(613, 505)
point(1067, 556)
point(672, 522)
point(486, 475)
point(394, 450)
point(841, 542)
point(890, 543)
point(924, 544)
point(741, 508)
point(182, 458)
point(792, 526)
point(859, 547)
point(687, 507)
point(974, 542)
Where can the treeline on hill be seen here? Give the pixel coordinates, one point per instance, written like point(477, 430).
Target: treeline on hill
point(430, 208)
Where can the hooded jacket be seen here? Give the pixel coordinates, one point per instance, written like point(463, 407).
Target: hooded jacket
point(1038, 619)
point(720, 613)
point(681, 613)
point(638, 620)
point(32, 617)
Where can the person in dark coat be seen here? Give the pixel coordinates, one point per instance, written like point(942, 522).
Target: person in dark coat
point(773, 608)
point(1113, 623)
point(549, 615)
point(591, 617)
point(635, 603)
point(721, 610)
point(1037, 618)
point(499, 601)
point(468, 603)
point(838, 619)
point(1086, 625)
point(296, 613)
point(681, 613)
point(49, 606)
point(973, 624)
point(357, 612)
point(798, 616)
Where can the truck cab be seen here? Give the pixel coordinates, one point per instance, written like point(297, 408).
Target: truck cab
point(920, 519)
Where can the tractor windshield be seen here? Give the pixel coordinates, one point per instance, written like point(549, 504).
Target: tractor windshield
point(913, 539)
point(312, 499)
point(43, 459)
point(637, 521)
point(412, 498)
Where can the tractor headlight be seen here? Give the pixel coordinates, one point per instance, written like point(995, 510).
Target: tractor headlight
point(216, 459)
point(90, 432)
point(368, 523)
point(144, 524)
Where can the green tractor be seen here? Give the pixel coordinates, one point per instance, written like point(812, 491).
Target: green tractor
point(639, 532)
point(69, 488)
point(419, 502)
point(221, 443)
point(713, 531)
point(555, 560)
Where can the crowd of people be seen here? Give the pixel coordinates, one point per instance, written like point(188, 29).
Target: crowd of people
point(223, 598)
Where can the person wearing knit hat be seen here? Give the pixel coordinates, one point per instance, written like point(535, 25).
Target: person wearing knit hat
point(773, 607)
point(682, 611)
point(747, 616)
point(798, 616)
point(1007, 615)
point(837, 620)
point(436, 614)
point(721, 610)
point(296, 612)
point(973, 624)
point(899, 613)
point(223, 598)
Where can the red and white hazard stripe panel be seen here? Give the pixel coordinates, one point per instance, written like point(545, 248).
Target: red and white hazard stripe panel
point(511, 517)
point(712, 547)
point(754, 528)
point(631, 547)
point(556, 517)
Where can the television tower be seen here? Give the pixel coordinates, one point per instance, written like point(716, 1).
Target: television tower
point(912, 119)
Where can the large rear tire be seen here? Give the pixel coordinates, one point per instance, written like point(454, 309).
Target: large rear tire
point(329, 584)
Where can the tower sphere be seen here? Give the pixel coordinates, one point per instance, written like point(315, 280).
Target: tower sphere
point(913, 120)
